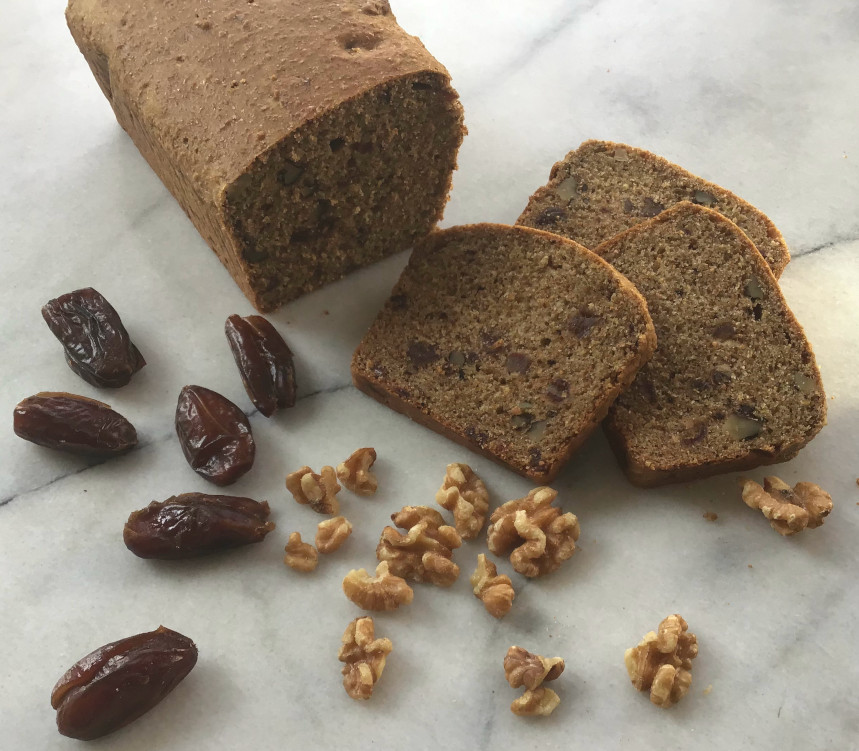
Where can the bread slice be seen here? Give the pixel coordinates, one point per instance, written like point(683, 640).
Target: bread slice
point(603, 188)
point(733, 383)
point(508, 340)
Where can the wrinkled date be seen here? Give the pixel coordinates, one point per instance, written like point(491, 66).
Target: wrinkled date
point(73, 423)
point(264, 361)
point(193, 524)
point(215, 435)
point(121, 681)
point(97, 345)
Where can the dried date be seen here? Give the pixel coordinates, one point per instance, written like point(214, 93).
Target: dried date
point(73, 423)
point(119, 682)
point(264, 361)
point(215, 435)
point(97, 345)
point(194, 524)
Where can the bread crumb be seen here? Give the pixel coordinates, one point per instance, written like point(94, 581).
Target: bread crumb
point(710, 516)
point(750, 566)
point(708, 690)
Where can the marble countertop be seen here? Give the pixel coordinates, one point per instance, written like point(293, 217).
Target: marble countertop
point(761, 97)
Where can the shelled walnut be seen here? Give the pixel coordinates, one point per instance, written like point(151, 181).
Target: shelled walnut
point(523, 668)
point(365, 657)
point(301, 556)
point(332, 533)
point(790, 510)
point(539, 702)
point(464, 494)
point(317, 491)
point(540, 535)
point(494, 591)
point(355, 472)
point(424, 553)
point(384, 591)
point(662, 662)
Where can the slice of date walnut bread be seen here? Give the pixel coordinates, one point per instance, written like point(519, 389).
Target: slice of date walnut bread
point(508, 340)
point(733, 383)
point(303, 139)
point(603, 188)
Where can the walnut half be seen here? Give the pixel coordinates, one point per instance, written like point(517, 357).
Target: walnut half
point(790, 510)
point(355, 472)
point(317, 491)
point(494, 591)
point(662, 662)
point(464, 494)
point(424, 552)
point(365, 657)
point(540, 535)
point(384, 591)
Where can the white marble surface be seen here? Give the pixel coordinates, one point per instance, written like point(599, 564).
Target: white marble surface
point(760, 96)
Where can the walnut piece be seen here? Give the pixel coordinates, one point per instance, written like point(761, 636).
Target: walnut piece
point(662, 662)
point(355, 472)
point(384, 591)
point(523, 668)
point(332, 533)
point(364, 656)
point(424, 553)
point(464, 494)
point(317, 491)
point(790, 510)
point(299, 555)
point(540, 702)
point(496, 592)
point(540, 535)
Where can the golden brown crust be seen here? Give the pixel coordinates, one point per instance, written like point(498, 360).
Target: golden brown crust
point(381, 388)
point(291, 51)
point(208, 92)
point(650, 470)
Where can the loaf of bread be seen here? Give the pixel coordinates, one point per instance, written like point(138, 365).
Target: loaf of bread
point(603, 188)
point(733, 383)
point(508, 340)
point(304, 139)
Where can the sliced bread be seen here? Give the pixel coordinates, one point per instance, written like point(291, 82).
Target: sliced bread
point(603, 188)
point(508, 340)
point(733, 383)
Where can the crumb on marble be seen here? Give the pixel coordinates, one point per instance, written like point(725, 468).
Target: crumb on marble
point(710, 516)
point(707, 690)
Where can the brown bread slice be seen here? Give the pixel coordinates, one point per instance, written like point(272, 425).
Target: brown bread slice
point(508, 340)
point(304, 139)
point(733, 383)
point(603, 188)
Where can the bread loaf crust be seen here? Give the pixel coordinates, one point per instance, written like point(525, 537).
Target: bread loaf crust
point(206, 90)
